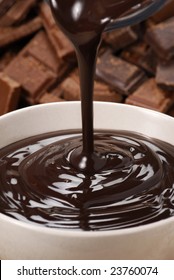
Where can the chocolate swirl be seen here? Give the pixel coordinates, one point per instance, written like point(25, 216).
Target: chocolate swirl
point(134, 186)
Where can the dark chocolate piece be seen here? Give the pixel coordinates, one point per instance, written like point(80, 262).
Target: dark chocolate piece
point(141, 55)
point(150, 96)
point(119, 74)
point(165, 75)
point(9, 94)
point(161, 39)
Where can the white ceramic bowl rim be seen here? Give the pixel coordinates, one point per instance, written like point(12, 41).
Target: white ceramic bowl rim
point(76, 233)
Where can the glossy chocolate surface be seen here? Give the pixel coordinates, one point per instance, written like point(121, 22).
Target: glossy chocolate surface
point(133, 187)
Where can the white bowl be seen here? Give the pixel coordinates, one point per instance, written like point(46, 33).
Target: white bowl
point(20, 240)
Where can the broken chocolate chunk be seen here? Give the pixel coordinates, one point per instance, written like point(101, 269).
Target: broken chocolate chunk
point(33, 76)
point(161, 39)
point(120, 38)
point(119, 74)
point(141, 55)
point(165, 75)
point(150, 96)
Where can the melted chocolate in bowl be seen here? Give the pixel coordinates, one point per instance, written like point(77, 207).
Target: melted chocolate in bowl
point(91, 181)
point(133, 187)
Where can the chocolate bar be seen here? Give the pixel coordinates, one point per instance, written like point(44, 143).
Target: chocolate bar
point(119, 74)
point(150, 96)
point(17, 12)
point(160, 38)
point(9, 94)
point(9, 35)
point(165, 75)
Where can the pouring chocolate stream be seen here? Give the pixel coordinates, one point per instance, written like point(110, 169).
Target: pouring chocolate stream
point(83, 23)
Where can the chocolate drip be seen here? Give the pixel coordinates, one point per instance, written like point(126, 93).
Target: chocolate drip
point(83, 22)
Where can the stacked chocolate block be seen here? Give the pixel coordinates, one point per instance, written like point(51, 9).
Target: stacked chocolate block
point(38, 64)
